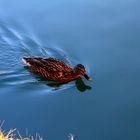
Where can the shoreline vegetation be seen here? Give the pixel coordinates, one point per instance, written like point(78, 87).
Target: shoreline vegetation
point(10, 135)
point(14, 134)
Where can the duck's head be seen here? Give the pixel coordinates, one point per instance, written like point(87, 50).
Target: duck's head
point(82, 71)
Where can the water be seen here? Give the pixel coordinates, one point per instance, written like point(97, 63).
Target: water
point(103, 36)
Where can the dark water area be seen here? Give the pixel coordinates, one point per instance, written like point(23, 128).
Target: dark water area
point(103, 36)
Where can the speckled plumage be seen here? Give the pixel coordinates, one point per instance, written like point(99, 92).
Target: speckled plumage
point(54, 69)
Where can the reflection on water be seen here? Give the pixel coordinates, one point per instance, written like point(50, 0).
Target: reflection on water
point(81, 86)
point(79, 83)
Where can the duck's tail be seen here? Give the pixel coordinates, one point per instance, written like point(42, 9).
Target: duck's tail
point(26, 61)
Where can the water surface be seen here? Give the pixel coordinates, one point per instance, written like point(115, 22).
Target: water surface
point(103, 36)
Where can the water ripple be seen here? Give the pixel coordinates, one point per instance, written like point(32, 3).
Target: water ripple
point(13, 46)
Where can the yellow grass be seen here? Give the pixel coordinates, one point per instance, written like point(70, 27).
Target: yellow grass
point(13, 134)
point(10, 135)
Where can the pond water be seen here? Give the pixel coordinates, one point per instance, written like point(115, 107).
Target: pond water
point(103, 36)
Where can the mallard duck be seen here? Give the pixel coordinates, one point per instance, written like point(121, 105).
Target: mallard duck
point(55, 69)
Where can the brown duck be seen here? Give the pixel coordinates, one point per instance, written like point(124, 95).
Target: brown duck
point(55, 69)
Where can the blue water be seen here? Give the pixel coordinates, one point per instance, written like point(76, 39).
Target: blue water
point(103, 36)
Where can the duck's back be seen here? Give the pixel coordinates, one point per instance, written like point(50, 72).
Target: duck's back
point(51, 68)
point(50, 64)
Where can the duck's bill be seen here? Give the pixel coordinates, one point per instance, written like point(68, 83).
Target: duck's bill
point(87, 77)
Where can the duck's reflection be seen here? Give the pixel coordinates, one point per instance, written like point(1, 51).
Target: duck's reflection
point(81, 86)
point(79, 83)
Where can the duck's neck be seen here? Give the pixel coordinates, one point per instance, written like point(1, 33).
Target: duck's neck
point(75, 74)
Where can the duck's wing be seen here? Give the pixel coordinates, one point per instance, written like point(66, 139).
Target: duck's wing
point(56, 65)
point(35, 62)
point(50, 64)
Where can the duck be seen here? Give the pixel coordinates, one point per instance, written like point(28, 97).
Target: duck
point(54, 69)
